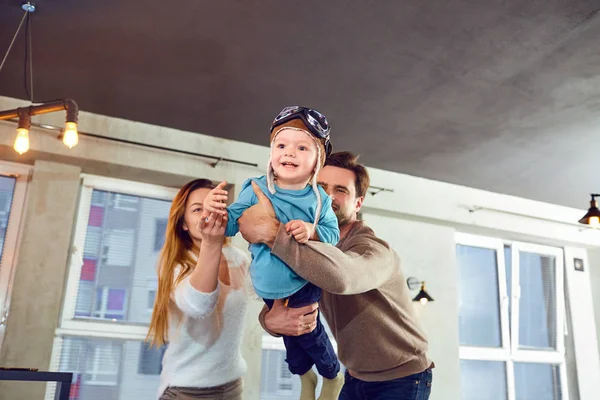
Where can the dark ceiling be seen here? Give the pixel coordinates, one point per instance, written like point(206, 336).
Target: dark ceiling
point(498, 95)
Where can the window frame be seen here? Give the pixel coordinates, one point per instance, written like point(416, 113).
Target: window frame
point(558, 254)
point(22, 174)
point(68, 325)
point(269, 342)
point(510, 353)
point(103, 311)
point(498, 246)
point(97, 372)
point(284, 377)
point(159, 241)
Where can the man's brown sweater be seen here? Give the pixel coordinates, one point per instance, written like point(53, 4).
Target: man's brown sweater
point(365, 302)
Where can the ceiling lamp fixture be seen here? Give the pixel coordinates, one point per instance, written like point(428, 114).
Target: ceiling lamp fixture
point(69, 135)
point(592, 217)
point(422, 297)
point(22, 141)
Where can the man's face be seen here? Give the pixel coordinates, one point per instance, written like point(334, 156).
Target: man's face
point(339, 183)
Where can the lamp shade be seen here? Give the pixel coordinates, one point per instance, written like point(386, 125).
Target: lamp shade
point(592, 217)
point(423, 297)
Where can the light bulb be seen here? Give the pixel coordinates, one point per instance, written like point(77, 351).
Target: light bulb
point(594, 221)
point(423, 301)
point(70, 135)
point(22, 141)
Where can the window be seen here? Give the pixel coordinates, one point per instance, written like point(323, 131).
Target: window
point(151, 359)
point(7, 190)
point(277, 382)
point(109, 303)
point(151, 298)
point(151, 289)
point(106, 368)
point(483, 380)
point(110, 292)
point(511, 310)
point(13, 187)
point(159, 233)
point(119, 253)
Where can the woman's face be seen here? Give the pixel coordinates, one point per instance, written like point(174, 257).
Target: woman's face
point(193, 213)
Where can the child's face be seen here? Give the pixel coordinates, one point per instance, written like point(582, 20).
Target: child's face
point(293, 157)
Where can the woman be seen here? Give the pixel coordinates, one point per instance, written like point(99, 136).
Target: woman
point(200, 303)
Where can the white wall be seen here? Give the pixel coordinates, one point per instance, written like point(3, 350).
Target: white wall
point(418, 217)
point(594, 271)
point(583, 332)
point(427, 252)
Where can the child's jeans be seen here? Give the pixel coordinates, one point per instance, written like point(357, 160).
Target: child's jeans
point(314, 348)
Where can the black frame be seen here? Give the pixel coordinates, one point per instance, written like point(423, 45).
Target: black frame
point(63, 380)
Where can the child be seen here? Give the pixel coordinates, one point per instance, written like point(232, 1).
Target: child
point(299, 146)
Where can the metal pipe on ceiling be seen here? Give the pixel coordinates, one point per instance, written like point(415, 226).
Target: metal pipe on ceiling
point(141, 144)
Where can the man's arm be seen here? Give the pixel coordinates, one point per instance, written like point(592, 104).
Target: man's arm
point(367, 263)
point(258, 224)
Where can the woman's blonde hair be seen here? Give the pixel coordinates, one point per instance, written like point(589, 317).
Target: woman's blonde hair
point(177, 252)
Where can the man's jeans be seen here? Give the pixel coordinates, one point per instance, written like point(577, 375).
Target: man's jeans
point(414, 387)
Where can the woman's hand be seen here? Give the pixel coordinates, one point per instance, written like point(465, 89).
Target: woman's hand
point(212, 228)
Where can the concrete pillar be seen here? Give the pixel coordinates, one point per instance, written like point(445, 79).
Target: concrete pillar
point(39, 274)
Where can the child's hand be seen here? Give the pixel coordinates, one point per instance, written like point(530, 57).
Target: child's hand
point(302, 231)
point(215, 201)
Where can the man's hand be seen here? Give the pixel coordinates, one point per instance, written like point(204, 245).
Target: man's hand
point(258, 224)
point(289, 321)
point(302, 231)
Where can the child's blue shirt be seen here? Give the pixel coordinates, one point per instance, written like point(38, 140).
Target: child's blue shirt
point(271, 277)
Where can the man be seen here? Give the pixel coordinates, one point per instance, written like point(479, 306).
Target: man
point(365, 298)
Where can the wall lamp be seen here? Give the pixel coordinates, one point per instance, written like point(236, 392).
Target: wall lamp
point(374, 190)
point(69, 134)
point(423, 297)
point(592, 218)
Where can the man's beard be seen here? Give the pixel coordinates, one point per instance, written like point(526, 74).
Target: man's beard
point(342, 218)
